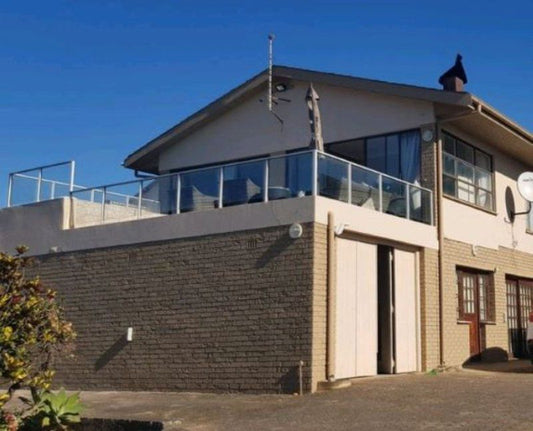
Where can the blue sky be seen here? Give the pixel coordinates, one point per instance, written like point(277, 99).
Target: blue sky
point(92, 80)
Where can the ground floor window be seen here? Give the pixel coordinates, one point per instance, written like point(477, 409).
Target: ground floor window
point(475, 295)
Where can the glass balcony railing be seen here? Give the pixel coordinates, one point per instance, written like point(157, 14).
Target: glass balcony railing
point(282, 177)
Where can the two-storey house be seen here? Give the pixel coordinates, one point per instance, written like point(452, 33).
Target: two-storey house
point(248, 258)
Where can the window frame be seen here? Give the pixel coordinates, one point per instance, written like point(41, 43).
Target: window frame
point(475, 190)
point(365, 140)
point(486, 312)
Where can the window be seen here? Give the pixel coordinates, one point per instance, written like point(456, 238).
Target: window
point(475, 295)
point(467, 173)
point(397, 154)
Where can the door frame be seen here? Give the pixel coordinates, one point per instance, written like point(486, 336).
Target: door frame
point(477, 337)
point(521, 331)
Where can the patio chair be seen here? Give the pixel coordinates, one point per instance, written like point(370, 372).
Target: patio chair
point(333, 188)
point(192, 199)
point(239, 191)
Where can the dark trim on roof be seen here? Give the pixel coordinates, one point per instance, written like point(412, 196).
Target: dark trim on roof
point(145, 157)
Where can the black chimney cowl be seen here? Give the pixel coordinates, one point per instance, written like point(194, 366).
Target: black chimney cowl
point(454, 78)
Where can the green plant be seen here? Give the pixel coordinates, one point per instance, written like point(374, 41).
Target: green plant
point(52, 411)
point(32, 330)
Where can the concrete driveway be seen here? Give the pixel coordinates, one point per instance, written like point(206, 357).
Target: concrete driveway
point(461, 400)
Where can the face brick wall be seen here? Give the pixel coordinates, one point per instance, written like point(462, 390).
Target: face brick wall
point(230, 312)
point(506, 262)
point(320, 296)
point(429, 308)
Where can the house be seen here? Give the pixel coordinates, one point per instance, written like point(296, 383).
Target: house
point(249, 261)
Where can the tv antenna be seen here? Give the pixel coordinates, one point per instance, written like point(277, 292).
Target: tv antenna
point(271, 38)
point(279, 88)
point(525, 188)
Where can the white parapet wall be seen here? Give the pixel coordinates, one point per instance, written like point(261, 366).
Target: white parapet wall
point(49, 226)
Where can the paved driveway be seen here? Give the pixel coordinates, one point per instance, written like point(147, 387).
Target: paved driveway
point(462, 400)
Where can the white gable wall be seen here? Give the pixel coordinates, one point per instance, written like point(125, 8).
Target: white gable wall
point(249, 130)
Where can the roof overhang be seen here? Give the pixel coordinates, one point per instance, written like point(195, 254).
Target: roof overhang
point(447, 104)
point(487, 124)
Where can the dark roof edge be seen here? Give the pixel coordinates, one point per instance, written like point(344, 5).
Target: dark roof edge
point(364, 84)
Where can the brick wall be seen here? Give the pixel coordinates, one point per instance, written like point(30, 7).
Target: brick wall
point(320, 273)
point(230, 312)
point(429, 308)
point(501, 262)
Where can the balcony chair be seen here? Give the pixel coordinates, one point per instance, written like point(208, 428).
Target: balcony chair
point(192, 199)
point(239, 191)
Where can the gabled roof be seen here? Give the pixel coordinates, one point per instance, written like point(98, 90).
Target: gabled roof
point(146, 157)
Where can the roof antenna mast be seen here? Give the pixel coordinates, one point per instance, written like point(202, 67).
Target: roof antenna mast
point(270, 57)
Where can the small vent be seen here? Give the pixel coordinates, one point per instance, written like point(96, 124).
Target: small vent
point(252, 243)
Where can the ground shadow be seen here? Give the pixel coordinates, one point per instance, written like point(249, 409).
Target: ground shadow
point(289, 383)
point(117, 425)
point(496, 359)
point(110, 353)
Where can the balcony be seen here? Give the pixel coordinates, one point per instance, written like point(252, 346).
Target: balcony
point(290, 176)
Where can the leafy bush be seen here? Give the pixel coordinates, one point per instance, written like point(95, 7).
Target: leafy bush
point(32, 330)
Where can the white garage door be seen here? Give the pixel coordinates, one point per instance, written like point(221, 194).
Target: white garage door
point(356, 311)
point(406, 316)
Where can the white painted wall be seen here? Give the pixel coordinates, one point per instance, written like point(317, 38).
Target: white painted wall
point(473, 226)
point(249, 130)
point(46, 224)
point(379, 225)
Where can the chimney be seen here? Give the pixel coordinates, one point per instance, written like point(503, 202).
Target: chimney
point(455, 77)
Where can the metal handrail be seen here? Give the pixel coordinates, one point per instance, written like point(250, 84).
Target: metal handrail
point(40, 179)
point(196, 170)
point(366, 168)
point(219, 170)
point(226, 165)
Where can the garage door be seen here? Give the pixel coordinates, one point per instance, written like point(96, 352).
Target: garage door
point(356, 309)
point(405, 311)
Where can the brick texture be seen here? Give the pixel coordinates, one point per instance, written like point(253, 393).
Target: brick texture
point(429, 308)
point(501, 262)
point(230, 312)
point(320, 272)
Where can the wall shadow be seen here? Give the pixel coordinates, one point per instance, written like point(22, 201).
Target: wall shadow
point(273, 250)
point(110, 353)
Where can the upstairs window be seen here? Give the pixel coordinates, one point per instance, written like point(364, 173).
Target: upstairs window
point(396, 154)
point(467, 173)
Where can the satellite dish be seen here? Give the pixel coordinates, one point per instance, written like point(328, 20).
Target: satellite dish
point(525, 186)
point(509, 204)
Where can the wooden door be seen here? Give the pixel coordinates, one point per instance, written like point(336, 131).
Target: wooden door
point(469, 304)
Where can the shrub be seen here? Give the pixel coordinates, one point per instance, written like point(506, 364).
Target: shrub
point(32, 330)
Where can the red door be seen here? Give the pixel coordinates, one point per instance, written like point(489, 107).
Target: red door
point(470, 309)
point(475, 306)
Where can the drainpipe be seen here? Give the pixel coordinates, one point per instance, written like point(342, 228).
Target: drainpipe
point(440, 232)
point(440, 223)
point(331, 299)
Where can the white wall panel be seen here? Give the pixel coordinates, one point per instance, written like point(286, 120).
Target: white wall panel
point(356, 309)
point(406, 314)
